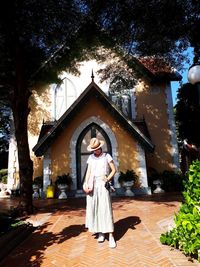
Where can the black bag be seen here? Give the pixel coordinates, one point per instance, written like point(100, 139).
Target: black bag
point(107, 185)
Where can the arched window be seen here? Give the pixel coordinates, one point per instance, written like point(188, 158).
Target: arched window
point(92, 130)
point(64, 95)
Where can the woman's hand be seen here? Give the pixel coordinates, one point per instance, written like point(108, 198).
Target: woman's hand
point(105, 179)
point(86, 188)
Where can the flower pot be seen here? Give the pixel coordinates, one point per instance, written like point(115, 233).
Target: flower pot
point(128, 186)
point(35, 191)
point(63, 189)
point(158, 184)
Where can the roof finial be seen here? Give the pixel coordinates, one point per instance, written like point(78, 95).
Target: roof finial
point(92, 76)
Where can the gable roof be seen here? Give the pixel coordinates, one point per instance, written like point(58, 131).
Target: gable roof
point(158, 69)
point(91, 91)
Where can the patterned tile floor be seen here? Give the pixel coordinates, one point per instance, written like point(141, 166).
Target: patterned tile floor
point(62, 240)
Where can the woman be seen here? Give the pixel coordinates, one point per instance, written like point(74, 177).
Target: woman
point(99, 214)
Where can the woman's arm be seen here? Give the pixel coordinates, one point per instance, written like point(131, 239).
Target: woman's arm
point(113, 170)
point(88, 172)
point(87, 176)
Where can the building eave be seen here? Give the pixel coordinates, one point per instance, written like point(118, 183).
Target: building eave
point(91, 91)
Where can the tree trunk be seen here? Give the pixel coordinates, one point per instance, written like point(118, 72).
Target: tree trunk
point(20, 108)
point(20, 115)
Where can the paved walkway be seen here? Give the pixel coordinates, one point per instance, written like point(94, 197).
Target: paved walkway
point(62, 240)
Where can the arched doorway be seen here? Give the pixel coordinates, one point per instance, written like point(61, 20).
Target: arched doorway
point(92, 130)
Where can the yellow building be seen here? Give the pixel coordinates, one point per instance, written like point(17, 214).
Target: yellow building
point(137, 126)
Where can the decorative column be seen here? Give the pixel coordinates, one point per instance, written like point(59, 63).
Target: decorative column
point(144, 189)
point(46, 170)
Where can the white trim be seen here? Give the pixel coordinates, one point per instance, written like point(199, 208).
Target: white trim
point(73, 143)
point(172, 127)
point(142, 166)
point(133, 103)
point(46, 170)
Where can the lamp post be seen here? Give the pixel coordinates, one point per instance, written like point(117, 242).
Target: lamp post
point(194, 78)
point(194, 72)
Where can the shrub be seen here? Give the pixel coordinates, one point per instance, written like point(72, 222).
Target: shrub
point(186, 233)
point(127, 176)
point(3, 175)
point(64, 179)
point(171, 181)
point(38, 181)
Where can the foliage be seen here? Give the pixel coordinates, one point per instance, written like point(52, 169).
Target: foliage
point(38, 181)
point(171, 181)
point(8, 223)
point(39, 39)
point(3, 175)
point(188, 113)
point(127, 176)
point(64, 179)
point(186, 234)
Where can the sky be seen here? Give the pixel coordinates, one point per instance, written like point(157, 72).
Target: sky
point(175, 85)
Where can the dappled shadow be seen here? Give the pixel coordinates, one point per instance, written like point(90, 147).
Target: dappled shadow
point(161, 198)
point(32, 251)
point(122, 226)
point(70, 232)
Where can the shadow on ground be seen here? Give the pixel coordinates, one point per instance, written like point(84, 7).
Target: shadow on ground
point(122, 226)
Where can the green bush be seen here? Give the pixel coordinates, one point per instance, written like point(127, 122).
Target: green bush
point(8, 223)
point(186, 233)
point(3, 175)
point(127, 176)
point(171, 181)
point(38, 181)
point(4, 179)
point(64, 179)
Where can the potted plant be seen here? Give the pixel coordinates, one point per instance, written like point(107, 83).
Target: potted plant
point(127, 179)
point(37, 185)
point(63, 182)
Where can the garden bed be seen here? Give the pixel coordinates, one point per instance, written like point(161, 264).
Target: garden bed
point(12, 234)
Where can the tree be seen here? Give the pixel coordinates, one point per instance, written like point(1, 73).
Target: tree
point(187, 114)
point(31, 32)
point(38, 39)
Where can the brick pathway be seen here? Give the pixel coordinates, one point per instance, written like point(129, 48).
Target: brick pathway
point(62, 240)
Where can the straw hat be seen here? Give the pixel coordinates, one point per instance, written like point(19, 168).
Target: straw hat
point(95, 144)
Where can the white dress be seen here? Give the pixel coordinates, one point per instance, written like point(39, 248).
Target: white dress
point(99, 214)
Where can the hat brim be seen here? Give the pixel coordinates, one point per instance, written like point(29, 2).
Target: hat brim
point(93, 149)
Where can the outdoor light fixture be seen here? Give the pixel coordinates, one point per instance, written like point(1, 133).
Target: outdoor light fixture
point(194, 72)
point(194, 77)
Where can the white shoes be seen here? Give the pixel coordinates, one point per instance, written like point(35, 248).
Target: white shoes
point(112, 243)
point(101, 238)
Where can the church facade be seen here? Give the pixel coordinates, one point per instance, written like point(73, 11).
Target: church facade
point(137, 125)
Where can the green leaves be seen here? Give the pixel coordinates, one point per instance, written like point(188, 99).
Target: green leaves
point(186, 234)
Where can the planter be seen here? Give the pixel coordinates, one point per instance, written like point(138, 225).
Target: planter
point(36, 191)
point(158, 184)
point(128, 186)
point(63, 189)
